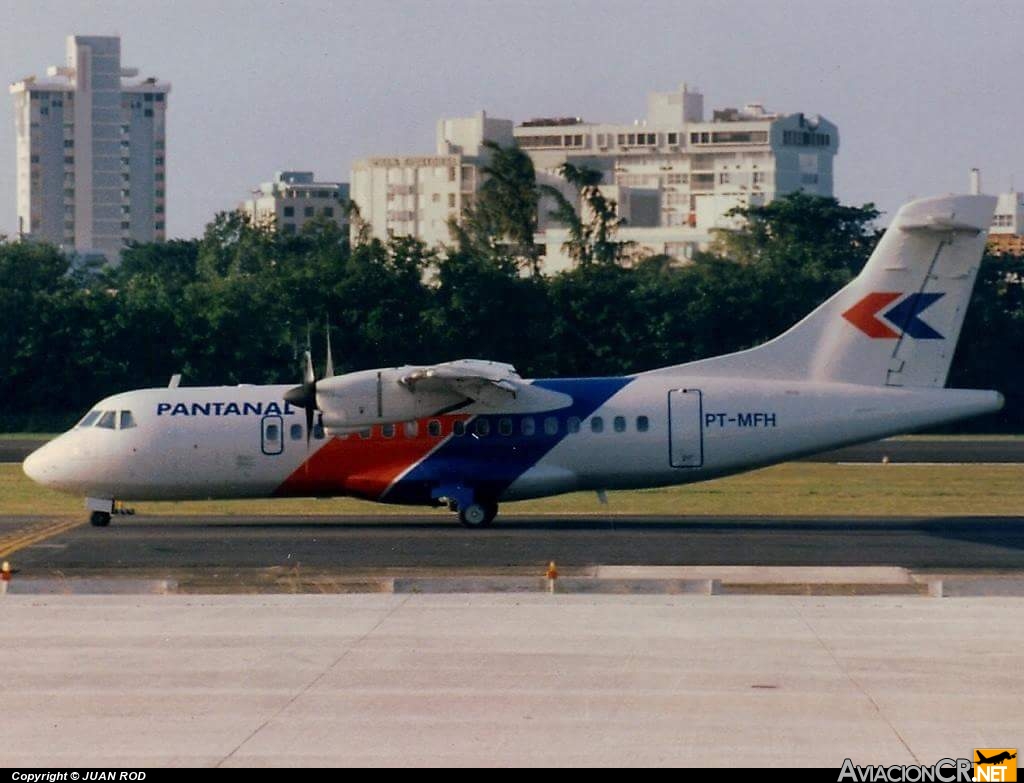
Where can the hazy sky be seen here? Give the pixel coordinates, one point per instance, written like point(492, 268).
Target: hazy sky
point(921, 90)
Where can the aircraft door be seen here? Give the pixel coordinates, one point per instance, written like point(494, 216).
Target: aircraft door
point(685, 428)
point(272, 435)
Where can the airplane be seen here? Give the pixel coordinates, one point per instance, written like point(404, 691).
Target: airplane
point(999, 758)
point(868, 363)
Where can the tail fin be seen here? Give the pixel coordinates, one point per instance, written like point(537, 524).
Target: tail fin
point(897, 323)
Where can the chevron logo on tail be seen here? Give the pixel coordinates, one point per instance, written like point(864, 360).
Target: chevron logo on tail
point(903, 318)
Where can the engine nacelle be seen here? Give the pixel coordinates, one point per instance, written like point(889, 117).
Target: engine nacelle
point(360, 399)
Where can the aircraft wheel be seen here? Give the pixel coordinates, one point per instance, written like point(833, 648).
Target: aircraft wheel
point(99, 519)
point(478, 514)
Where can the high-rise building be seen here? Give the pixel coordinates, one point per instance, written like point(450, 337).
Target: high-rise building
point(293, 198)
point(415, 195)
point(91, 152)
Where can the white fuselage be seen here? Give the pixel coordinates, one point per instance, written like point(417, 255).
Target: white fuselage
point(639, 431)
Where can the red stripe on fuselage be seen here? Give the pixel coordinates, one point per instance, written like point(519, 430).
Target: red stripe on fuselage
point(364, 467)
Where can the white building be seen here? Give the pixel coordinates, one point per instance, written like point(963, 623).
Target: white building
point(91, 152)
point(1009, 215)
point(1006, 235)
point(674, 175)
point(293, 198)
point(415, 195)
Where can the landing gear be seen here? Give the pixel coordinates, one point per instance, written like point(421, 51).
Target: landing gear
point(478, 514)
point(100, 510)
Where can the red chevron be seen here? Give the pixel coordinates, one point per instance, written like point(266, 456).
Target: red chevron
point(862, 315)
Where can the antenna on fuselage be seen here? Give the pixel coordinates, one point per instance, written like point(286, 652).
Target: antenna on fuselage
point(175, 381)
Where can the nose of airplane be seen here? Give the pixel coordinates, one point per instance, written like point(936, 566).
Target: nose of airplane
point(41, 464)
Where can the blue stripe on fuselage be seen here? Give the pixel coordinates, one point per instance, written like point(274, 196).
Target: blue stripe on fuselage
point(490, 463)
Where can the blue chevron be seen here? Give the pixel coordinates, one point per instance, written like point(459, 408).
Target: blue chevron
point(904, 316)
point(489, 464)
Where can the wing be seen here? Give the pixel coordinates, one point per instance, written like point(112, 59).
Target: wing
point(492, 387)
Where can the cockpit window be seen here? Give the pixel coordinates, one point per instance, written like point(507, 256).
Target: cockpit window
point(90, 419)
point(127, 420)
point(106, 420)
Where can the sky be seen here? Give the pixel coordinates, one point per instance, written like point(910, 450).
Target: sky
point(922, 90)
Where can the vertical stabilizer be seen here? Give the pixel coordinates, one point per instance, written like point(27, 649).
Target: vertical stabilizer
point(897, 323)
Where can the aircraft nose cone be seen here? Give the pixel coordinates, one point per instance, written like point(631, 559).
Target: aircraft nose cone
point(36, 465)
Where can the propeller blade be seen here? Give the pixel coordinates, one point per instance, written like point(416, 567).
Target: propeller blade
point(304, 396)
point(329, 366)
point(309, 377)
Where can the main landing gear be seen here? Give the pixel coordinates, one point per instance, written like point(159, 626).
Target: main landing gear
point(478, 514)
point(472, 510)
point(99, 519)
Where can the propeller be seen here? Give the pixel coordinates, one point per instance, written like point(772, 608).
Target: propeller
point(304, 396)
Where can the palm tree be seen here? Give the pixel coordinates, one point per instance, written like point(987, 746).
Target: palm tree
point(593, 239)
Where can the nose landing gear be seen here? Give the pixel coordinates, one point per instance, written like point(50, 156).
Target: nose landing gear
point(100, 510)
point(99, 519)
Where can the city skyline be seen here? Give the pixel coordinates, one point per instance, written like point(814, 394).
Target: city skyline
point(918, 89)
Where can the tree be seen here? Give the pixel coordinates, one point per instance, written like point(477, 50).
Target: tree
point(592, 235)
point(988, 355)
point(798, 250)
point(502, 221)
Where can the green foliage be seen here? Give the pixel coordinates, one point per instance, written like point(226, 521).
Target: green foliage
point(235, 305)
point(502, 221)
point(592, 233)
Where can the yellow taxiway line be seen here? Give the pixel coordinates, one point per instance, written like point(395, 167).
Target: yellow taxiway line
point(33, 534)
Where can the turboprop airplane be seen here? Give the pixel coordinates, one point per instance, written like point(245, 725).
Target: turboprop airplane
point(870, 362)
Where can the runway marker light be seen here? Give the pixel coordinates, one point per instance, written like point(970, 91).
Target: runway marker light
point(5, 572)
point(551, 574)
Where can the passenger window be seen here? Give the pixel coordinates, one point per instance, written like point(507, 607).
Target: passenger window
point(412, 429)
point(482, 427)
point(272, 434)
point(529, 426)
point(573, 424)
point(619, 422)
point(642, 424)
point(505, 426)
point(318, 431)
point(90, 419)
point(597, 424)
point(296, 431)
point(459, 428)
point(127, 420)
point(106, 420)
point(434, 428)
point(388, 430)
point(366, 433)
point(550, 426)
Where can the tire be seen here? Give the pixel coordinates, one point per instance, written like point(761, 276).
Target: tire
point(478, 514)
point(99, 519)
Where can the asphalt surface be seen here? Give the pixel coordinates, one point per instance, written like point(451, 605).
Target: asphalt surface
point(915, 450)
point(433, 541)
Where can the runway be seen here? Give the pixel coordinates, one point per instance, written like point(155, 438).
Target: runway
point(158, 545)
